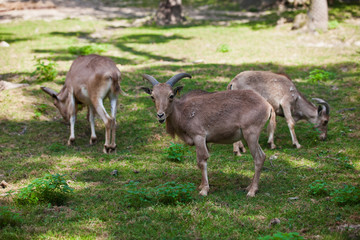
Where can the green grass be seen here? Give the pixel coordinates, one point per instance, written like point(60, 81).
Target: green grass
point(33, 137)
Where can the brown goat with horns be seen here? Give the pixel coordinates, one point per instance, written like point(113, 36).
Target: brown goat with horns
point(223, 117)
point(90, 79)
point(286, 100)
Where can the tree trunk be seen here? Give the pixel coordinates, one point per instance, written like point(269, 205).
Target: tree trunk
point(318, 15)
point(169, 13)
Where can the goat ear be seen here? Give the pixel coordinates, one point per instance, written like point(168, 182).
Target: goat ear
point(147, 90)
point(49, 91)
point(178, 89)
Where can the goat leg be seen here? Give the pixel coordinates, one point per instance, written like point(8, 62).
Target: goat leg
point(202, 155)
point(291, 123)
point(113, 103)
point(72, 130)
point(271, 129)
point(91, 115)
point(257, 153)
point(238, 148)
point(108, 121)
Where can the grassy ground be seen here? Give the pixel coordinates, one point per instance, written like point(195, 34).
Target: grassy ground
point(33, 137)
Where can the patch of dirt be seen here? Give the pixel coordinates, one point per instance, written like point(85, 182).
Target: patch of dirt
point(62, 9)
point(13, 10)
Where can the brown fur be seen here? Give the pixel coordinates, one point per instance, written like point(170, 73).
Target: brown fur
point(287, 101)
point(90, 79)
point(220, 117)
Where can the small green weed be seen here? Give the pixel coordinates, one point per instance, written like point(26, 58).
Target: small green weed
point(8, 217)
point(333, 24)
point(223, 48)
point(318, 75)
point(48, 189)
point(345, 162)
point(45, 72)
point(173, 193)
point(135, 196)
point(346, 195)
point(39, 110)
point(167, 193)
point(57, 147)
point(283, 236)
point(176, 152)
point(88, 49)
point(319, 188)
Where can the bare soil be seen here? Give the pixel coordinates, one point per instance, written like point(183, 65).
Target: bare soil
point(11, 10)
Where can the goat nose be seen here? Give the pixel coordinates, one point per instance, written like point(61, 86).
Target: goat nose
point(160, 115)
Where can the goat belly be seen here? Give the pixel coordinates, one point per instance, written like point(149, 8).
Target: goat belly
point(224, 136)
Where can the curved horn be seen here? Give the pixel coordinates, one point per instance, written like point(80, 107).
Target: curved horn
point(150, 79)
point(324, 103)
point(49, 91)
point(176, 78)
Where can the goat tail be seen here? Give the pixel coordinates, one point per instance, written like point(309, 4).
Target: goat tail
point(272, 118)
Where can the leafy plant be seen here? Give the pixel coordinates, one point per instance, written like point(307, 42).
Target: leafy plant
point(48, 189)
point(318, 75)
point(88, 49)
point(345, 162)
point(57, 147)
point(167, 193)
point(283, 236)
point(319, 187)
point(223, 48)
point(135, 196)
point(45, 72)
point(40, 109)
point(176, 152)
point(173, 193)
point(333, 24)
point(346, 195)
point(8, 217)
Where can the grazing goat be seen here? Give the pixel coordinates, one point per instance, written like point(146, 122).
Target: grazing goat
point(220, 117)
point(286, 100)
point(90, 79)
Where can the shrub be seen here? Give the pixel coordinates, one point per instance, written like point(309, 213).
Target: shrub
point(318, 75)
point(88, 49)
point(283, 236)
point(45, 72)
point(346, 195)
point(319, 187)
point(176, 152)
point(48, 189)
point(173, 193)
point(8, 217)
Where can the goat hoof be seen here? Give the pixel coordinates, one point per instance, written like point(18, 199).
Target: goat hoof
point(243, 150)
point(251, 194)
point(70, 141)
point(297, 145)
point(203, 193)
point(272, 146)
point(93, 140)
point(237, 153)
point(109, 149)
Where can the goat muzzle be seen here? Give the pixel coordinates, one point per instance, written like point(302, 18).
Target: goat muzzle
point(161, 117)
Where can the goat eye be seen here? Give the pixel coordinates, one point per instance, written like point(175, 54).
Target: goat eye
point(171, 96)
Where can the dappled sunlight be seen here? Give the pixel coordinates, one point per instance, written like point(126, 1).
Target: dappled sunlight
point(33, 135)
